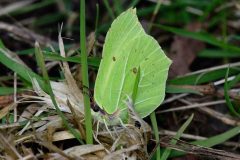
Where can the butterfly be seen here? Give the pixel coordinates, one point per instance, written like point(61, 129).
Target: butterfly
point(133, 66)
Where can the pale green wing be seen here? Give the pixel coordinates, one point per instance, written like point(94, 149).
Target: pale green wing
point(145, 53)
point(123, 30)
point(154, 66)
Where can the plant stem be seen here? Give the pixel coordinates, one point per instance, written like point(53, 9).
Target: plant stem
point(84, 67)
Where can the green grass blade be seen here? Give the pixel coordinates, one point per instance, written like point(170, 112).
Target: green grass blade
point(109, 9)
point(155, 130)
point(233, 82)
point(205, 37)
point(48, 19)
point(203, 77)
point(92, 61)
point(215, 140)
point(216, 53)
point(167, 152)
point(6, 90)
point(134, 3)
point(84, 67)
point(118, 6)
point(212, 141)
point(21, 70)
point(96, 20)
point(9, 90)
point(155, 12)
point(33, 7)
point(227, 98)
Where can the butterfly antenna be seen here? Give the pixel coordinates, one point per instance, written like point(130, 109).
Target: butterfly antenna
point(105, 123)
point(97, 128)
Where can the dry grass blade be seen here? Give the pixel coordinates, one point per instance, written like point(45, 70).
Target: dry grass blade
point(224, 118)
point(175, 97)
point(88, 151)
point(54, 148)
point(25, 34)
point(8, 147)
point(78, 119)
point(71, 83)
point(14, 6)
point(207, 89)
point(184, 135)
point(62, 135)
point(7, 109)
point(39, 112)
point(191, 106)
point(120, 153)
point(236, 64)
point(62, 93)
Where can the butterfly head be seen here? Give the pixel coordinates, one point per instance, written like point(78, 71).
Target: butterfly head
point(102, 116)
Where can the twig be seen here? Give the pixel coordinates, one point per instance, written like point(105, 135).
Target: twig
point(15, 97)
point(214, 68)
point(184, 135)
point(14, 6)
point(120, 152)
point(26, 34)
point(175, 97)
point(224, 118)
point(193, 106)
point(8, 147)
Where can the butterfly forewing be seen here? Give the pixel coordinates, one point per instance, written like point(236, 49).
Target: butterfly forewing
point(125, 28)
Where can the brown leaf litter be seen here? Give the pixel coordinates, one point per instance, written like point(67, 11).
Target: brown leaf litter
point(40, 127)
point(183, 51)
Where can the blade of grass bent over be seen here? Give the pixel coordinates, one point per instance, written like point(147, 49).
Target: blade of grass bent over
point(41, 63)
point(21, 70)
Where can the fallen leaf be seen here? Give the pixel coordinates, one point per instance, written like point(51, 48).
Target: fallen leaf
point(183, 51)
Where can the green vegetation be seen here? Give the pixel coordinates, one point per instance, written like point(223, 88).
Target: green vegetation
point(49, 106)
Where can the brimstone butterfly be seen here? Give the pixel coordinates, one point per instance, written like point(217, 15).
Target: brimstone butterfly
point(129, 52)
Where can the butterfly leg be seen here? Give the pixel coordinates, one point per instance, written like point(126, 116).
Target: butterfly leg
point(105, 123)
